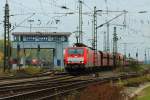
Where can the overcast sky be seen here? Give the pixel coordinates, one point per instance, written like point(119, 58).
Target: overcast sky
point(49, 14)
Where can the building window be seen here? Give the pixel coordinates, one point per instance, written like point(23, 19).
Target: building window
point(43, 38)
point(30, 38)
point(16, 38)
point(56, 38)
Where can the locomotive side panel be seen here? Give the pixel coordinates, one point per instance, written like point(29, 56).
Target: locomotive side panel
point(90, 58)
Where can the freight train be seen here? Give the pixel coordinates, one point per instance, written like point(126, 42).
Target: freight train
point(77, 59)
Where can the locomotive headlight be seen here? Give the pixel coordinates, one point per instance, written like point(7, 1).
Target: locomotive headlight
point(82, 62)
point(69, 61)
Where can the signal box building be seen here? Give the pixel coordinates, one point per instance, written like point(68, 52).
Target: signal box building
point(43, 40)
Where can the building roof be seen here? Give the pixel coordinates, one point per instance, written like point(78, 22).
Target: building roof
point(43, 33)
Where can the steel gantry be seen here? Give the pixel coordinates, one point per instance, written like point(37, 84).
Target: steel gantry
point(94, 43)
point(7, 43)
point(115, 48)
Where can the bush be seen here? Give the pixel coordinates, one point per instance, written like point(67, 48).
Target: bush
point(103, 92)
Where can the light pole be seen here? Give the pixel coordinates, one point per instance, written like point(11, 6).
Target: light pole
point(80, 22)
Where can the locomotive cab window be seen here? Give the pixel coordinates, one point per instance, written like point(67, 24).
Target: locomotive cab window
point(75, 51)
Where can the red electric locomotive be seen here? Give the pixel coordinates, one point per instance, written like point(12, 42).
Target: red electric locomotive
point(76, 58)
point(82, 58)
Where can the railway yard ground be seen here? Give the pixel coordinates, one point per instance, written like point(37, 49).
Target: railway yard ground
point(52, 85)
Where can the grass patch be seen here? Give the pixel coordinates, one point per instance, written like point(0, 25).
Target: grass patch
point(32, 70)
point(59, 69)
point(134, 81)
point(132, 68)
point(145, 66)
point(6, 73)
point(145, 94)
point(28, 70)
point(1, 71)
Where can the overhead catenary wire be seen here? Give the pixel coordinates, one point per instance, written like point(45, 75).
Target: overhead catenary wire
point(41, 6)
point(109, 20)
point(16, 2)
point(22, 22)
point(87, 6)
point(36, 27)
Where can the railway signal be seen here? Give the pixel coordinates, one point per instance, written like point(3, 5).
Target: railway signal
point(18, 55)
point(145, 57)
point(129, 55)
point(38, 47)
point(137, 57)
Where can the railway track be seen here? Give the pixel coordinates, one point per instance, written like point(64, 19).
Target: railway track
point(43, 74)
point(30, 81)
point(49, 90)
point(15, 81)
point(6, 91)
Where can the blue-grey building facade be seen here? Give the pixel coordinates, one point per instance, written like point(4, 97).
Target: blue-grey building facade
point(46, 40)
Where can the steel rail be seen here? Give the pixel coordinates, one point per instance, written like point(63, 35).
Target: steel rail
point(43, 74)
point(24, 81)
